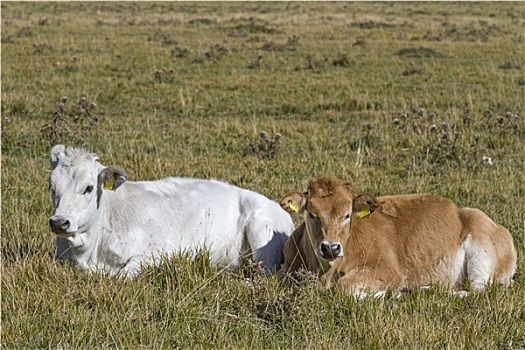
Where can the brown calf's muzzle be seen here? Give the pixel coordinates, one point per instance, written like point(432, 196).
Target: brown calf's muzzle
point(330, 250)
point(330, 247)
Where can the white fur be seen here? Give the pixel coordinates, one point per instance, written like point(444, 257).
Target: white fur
point(458, 271)
point(142, 221)
point(480, 263)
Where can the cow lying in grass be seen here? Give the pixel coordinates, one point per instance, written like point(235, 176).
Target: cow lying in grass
point(106, 223)
point(368, 245)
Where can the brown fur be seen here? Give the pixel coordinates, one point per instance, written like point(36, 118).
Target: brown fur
point(407, 241)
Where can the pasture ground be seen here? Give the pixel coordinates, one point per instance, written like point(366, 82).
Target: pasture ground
point(397, 97)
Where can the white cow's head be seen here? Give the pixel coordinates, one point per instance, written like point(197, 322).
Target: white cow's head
point(76, 182)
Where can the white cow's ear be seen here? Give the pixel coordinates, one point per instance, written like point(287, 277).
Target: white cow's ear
point(293, 202)
point(110, 178)
point(57, 152)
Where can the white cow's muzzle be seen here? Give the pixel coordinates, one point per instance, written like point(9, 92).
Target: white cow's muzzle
point(62, 226)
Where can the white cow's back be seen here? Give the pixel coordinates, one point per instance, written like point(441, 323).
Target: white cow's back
point(186, 215)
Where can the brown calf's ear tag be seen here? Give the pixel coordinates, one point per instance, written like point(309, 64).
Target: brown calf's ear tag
point(108, 185)
point(365, 212)
point(293, 207)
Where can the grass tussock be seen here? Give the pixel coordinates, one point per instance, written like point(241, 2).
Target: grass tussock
point(417, 98)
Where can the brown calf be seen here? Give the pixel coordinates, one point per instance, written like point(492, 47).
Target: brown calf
point(368, 245)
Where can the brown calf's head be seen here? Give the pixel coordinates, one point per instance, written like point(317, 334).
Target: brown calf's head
point(327, 207)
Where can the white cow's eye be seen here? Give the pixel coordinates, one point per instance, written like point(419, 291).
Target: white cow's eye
point(88, 189)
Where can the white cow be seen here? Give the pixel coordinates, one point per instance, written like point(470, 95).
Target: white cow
point(105, 223)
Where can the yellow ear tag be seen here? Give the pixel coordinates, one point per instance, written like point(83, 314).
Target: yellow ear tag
point(293, 207)
point(365, 212)
point(108, 185)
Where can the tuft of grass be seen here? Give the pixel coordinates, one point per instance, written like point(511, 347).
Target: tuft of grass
point(266, 146)
point(418, 52)
point(71, 124)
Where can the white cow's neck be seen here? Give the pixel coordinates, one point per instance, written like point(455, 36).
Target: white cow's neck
point(86, 242)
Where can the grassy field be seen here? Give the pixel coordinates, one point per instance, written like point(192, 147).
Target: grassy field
point(396, 97)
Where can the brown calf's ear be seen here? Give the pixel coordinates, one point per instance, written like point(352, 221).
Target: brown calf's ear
point(293, 202)
point(365, 204)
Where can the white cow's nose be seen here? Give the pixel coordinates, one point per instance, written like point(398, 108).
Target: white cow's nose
point(59, 225)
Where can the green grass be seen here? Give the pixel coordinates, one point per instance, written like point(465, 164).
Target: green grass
point(358, 90)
